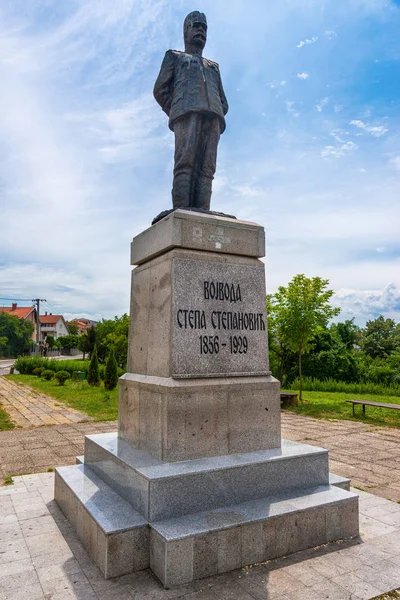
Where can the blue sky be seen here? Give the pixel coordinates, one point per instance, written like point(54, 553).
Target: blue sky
point(311, 150)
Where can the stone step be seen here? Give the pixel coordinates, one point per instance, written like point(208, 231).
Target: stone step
point(336, 480)
point(339, 481)
point(159, 490)
point(114, 534)
point(210, 542)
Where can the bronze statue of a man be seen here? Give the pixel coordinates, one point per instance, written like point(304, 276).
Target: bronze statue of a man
point(189, 90)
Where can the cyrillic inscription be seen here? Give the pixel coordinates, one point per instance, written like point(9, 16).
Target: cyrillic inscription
point(219, 320)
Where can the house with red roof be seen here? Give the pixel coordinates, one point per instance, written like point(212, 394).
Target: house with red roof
point(27, 313)
point(84, 324)
point(53, 325)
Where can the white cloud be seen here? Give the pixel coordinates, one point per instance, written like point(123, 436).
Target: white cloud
point(248, 191)
point(307, 42)
point(303, 75)
point(368, 304)
point(375, 131)
point(330, 33)
point(290, 109)
point(321, 104)
point(338, 107)
point(339, 151)
point(338, 135)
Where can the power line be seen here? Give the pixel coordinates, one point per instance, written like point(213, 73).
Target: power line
point(17, 299)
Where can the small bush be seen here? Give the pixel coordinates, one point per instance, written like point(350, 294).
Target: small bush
point(111, 372)
point(38, 371)
point(47, 374)
point(93, 377)
point(62, 377)
point(26, 364)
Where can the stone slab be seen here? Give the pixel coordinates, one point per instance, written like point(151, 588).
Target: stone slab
point(218, 319)
point(177, 420)
point(339, 481)
point(112, 513)
point(113, 533)
point(160, 490)
point(185, 229)
point(235, 536)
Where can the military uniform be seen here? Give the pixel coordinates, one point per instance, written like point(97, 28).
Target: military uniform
point(190, 92)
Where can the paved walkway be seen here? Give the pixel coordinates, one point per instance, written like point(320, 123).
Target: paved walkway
point(369, 455)
point(42, 448)
point(42, 559)
point(28, 408)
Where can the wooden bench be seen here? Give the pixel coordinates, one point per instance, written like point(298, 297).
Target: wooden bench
point(289, 399)
point(369, 403)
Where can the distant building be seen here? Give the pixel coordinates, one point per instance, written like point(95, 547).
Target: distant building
point(84, 324)
point(26, 313)
point(53, 325)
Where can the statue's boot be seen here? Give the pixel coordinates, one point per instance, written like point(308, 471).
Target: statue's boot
point(203, 196)
point(181, 190)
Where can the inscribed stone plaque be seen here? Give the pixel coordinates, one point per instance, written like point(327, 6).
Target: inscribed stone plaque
point(219, 319)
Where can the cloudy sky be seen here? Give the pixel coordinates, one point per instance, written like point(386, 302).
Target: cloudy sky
point(311, 150)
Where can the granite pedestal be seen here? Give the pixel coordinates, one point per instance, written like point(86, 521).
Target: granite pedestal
point(197, 480)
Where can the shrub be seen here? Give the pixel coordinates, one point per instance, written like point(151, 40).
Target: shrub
point(26, 364)
point(48, 374)
point(38, 371)
point(93, 377)
point(111, 372)
point(62, 377)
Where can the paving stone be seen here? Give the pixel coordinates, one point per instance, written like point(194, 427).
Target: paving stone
point(382, 580)
point(31, 591)
point(357, 586)
point(331, 591)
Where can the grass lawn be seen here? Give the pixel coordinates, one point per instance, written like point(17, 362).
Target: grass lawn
point(94, 401)
point(333, 405)
point(5, 422)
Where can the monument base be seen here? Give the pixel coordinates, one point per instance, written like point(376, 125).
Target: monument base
point(195, 518)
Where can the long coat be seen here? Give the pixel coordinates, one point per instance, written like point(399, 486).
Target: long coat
point(189, 83)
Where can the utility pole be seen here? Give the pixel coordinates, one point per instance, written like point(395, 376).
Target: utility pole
point(37, 301)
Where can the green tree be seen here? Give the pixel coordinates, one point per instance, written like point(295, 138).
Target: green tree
point(3, 343)
point(84, 344)
point(111, 371)
point(51, 341)
point(18, 333)
point(93, 376)
point(68, 342)
point(380, 337)
point(72, 327)
point(333, 355)
point(298, 312)
point(113, 333)
point(348, 332)
point(91, 334)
